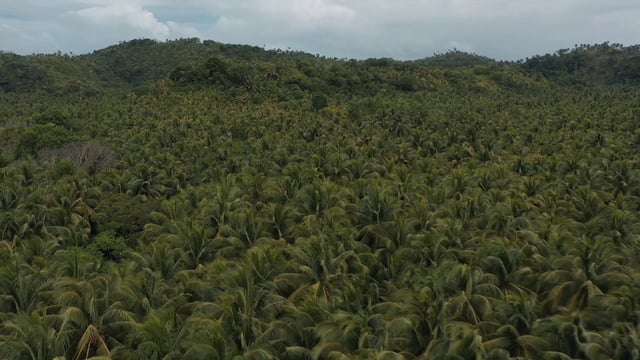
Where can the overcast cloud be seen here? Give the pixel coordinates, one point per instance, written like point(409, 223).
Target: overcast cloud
point(403, 29)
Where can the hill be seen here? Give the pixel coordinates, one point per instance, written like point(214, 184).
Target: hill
point(128, 64)
point(205, 201)
point(135, 63)
point(601, 64)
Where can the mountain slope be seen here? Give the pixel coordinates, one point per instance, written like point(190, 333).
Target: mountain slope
point(138, 62)
point(601, 64)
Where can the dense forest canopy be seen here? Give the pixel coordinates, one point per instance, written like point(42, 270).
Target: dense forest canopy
point(197, 200)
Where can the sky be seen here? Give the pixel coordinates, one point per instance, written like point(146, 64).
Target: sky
point(401, 29)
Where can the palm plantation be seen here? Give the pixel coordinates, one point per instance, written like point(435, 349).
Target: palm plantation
point(248, 204)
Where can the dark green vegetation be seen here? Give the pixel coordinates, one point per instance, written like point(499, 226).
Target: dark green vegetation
point(207, 201)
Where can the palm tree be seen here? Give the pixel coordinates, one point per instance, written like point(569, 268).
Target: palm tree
point(197, 239)
point(320, 271)
point(620, 179)
point(161, 257)
point(29, 220)
point(227, 197)
point(623, 227)
point(587, 210)
point(23, 286)
point(411, 318)
point(626, 341)
point(66, 212)
point(468, 308)
point(158, 336)
point(90, 310)
point(33, 336)
point(246, 309)
point(146, 182)
point(146, 290)
point(503, 268)
point(248, 227)
point(574, 280)
point(205, 338)
point(375, 205)
point(352, 332)
point(280, 219)
point(508, 338)
point(562, 335)
point(458, 340)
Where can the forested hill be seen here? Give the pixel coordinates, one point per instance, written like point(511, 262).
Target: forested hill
point(138, 62)
point(120, 66)
point(188, 200)
point(603, 64)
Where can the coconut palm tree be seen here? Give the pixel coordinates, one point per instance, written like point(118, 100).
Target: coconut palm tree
point(319, 272)
point(90, 310)
point(158, 336)
point(23, 286)
point(577, 278)
point(457, 340)
point(527, 346)
point(33, 336)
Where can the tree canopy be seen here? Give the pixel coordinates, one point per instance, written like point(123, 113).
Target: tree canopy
point(199, 200)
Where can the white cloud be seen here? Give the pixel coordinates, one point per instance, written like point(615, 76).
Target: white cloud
point(306, 12)
point(177, 30)
point(122, 18)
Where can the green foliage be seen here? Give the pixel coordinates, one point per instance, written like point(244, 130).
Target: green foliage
point(319, 102)
point(38, 137)
point(123, 215)
point(600, 64)
point(455, 59)
point(109, 246)
point(406, 82)
point(18, 75)
point(239, 203)
point(55, 118)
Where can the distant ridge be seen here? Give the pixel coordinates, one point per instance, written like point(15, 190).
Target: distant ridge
point(137, 62)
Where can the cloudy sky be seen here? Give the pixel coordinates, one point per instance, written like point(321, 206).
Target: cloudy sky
point(402, 29)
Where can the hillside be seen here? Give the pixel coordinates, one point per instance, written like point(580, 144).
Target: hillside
point(128, 64)
point(138, 62)
point(206, 201)
point(602, 64)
